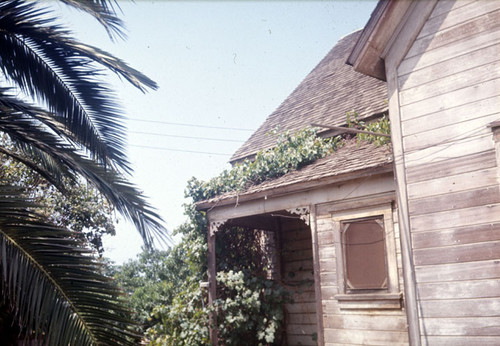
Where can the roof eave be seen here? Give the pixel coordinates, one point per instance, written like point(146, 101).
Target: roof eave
point(294, 188)
point(367, 56)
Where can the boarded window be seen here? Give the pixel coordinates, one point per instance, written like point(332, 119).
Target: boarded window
point(364, 250)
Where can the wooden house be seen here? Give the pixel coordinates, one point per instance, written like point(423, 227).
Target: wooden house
point(441, 61)
point(400, 246)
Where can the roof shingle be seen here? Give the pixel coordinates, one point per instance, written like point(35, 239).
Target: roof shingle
point(351, 157)
point(331, 90)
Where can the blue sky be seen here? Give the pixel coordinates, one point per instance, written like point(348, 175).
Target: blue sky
point(218, 64)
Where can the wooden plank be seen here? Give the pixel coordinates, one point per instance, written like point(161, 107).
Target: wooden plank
point(486, 326)
point(459, 271)
point(459, 290)
point(301, 340)
point(332, 307)
point(392, 61)
point(353, 188)
point(443, 7)
point(456, 16)
point(461, 235)
point(461, 308)
point(325, 239)
point(354, 203)
point(456, 218)
point(482, 56)
point(367, 322)
point(456, 200)
point(365, 337)
point(454, 183)
point(454, 166)
point(470, 28)
point(444, 152)
point(481, 108)
point(327, 252)
point(301, 329)
point(450, 133)
point(458, 80)
point(329, 279)
point(329, 292)
point(212, 285)
point(301, 308)
point(457, 254)
point(328, 265)
point(463, 340)
point(298, 265)
point(460, 47)
point(301, 319)
point(456, 98)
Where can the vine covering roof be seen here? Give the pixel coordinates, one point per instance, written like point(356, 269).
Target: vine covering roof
point(353, 157)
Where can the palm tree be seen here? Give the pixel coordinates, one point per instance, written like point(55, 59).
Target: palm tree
point(63, 122)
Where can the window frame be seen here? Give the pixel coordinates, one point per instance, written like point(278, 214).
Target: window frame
point(380, 298)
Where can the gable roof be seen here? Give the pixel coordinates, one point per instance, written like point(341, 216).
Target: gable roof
point(325, 96)
point(353, 160)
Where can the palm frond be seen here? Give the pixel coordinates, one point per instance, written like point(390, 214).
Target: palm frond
point(128, 200)
point(52, 284)
point(104, 12)
point(60, 73)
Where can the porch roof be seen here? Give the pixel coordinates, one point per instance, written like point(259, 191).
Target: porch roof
point(352, 161)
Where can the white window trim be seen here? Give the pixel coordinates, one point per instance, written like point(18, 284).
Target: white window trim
point(389, 298)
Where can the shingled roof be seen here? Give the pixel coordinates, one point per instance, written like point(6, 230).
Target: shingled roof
point(331, 90)
point(353, 158)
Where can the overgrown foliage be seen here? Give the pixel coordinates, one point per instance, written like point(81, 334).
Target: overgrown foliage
point(81, 208)
point(291, 152)
point(381, 125)
point(249, 304)
point(60, 120)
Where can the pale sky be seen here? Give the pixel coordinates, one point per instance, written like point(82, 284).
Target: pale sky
point(218, 64)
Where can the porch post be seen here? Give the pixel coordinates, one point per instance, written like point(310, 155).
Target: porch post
point(212, 283)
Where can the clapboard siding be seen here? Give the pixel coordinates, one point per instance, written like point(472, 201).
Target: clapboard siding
point(462, 340)
point(298, 277)
point(449, 92)
point(370, 326)
point(448, 134)
point(488, 53)
point(484, 307)
point(487, 326)
point(485, 18)
point(459, 235)
point(457, 200)
point(456, 98)
point(457, 254)
point(482, 107)
point(453, 183)
point(460, 79)
point(366, 337)
point(453, 166)
point(456, 218)
point(459, 11)
point(458, 271)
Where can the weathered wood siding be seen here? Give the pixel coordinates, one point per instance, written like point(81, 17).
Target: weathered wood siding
point(449, 91)
point(298, 277)
point(369, 326)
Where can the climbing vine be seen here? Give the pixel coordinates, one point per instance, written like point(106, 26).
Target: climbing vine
point(249, 305)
